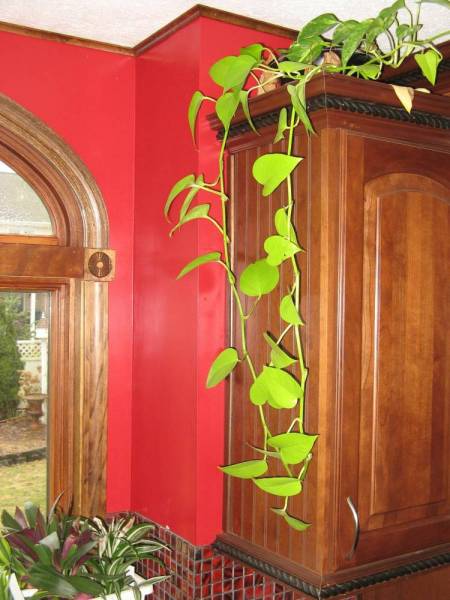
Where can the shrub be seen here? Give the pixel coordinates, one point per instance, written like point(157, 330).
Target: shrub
point(10, 365)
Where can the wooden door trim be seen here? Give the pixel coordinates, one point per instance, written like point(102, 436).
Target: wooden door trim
point(79, 344)
point(58, 175)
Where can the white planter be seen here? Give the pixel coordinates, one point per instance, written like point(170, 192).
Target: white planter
point(126, 594)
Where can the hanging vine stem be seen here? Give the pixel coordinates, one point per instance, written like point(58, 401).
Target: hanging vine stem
point(232, 281)
point(274, 387)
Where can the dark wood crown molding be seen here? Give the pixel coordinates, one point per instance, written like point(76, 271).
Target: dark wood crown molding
point(200, 10)
point(64, 39)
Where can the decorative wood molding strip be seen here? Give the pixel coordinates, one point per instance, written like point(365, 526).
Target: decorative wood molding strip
point(199, 10)
point(336, 589)
point(415, 75)
point(63, 38)
point(324, 101)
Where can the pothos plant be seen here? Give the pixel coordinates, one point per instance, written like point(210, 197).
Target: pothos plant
point(326, 44)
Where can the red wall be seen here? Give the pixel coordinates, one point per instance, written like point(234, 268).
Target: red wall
point(87, 97)
point(178, 425)
point(126, 118)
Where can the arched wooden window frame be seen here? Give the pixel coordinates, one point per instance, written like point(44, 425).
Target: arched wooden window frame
point(65, 264)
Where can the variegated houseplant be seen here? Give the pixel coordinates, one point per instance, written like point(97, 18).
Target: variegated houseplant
point(62, 556)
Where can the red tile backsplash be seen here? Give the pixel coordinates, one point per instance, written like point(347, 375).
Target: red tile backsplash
point(200, 573)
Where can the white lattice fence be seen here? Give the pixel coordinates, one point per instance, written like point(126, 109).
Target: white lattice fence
point(29, 349)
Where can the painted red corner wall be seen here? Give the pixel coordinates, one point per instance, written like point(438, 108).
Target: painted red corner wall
point(126, 119)
point(178, 425)
point(87, 97)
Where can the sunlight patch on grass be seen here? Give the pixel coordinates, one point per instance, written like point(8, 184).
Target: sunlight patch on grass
point(23, 482)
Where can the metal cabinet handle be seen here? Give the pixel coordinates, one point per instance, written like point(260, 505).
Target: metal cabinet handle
point(356, 535)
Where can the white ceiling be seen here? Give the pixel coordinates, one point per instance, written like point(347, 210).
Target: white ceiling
point(127, 22)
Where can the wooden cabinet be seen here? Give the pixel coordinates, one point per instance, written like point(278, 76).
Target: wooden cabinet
point(373, 212)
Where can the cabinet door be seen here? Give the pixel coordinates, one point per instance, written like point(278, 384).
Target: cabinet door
point(397, 350)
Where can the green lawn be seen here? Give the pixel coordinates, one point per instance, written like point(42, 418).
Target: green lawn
point(19, 483)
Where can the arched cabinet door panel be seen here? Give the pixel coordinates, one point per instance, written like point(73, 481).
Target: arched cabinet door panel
point(70, 260)
point(402, 494)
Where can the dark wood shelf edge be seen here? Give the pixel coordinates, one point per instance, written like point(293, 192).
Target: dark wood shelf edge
point(331, 590)
point(343, 93)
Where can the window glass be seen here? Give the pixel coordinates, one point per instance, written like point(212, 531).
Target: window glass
point(24, 398)
point(22, 212)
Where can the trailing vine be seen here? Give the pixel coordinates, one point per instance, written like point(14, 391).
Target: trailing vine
point(355, 48)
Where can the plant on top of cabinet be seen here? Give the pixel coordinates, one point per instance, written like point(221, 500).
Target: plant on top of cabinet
point(326, 44)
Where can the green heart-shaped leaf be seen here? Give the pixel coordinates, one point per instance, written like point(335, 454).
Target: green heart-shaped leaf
point(291, 521)
point(278, 356)
point(318, 26)
point(272, 169)
point(277, 387)
point(298, 99)
point(292, 66)
point(198, 212)
point(354, 39)
point(388, 14)
point(428, 63)
point(243, 98)
point(279, 249)
point(279, 486)
point(282, 126)
point(254, 50)
point(246, 470)
point(258, 392)
point(445, 3)
point(293, 447)
point(288, 312)
point(258, 278)
point(283, 226)
point(226, 107)
point(179, 186)
point(194, 107)
point(195, 188)
point(369, 71)
point(222, 366)
point(232, 71)
point(343, 30)
point(200, 260)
